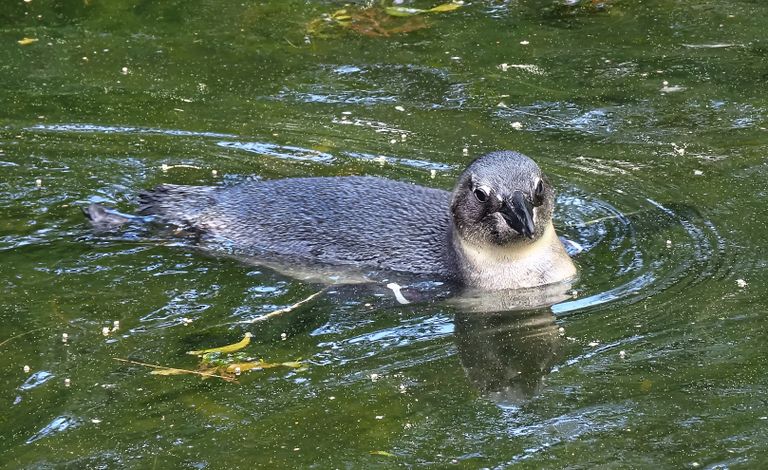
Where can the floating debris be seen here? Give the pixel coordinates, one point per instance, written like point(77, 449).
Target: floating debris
point(383, 453)
point(27, 41)
point(225, 349)
point(26, 369)
point(741, 283)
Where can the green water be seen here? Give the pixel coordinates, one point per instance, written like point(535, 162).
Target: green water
point(649, 117)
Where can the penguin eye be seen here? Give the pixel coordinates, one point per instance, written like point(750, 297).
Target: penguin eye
point(481, 195)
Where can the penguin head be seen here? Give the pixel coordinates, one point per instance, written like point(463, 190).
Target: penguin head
point(502, 199)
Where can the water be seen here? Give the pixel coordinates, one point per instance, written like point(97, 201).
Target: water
point(649, 117)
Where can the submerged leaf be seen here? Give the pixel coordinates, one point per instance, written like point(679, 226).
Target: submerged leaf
point(225, 349)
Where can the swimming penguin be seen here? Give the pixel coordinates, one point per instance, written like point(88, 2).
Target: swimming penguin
point(494, 231)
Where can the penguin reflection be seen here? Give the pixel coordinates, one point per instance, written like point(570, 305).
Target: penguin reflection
point(507, 353)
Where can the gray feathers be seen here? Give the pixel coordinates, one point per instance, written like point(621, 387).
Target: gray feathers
point(362, 221)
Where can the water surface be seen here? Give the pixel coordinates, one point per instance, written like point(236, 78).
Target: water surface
point(649, 117)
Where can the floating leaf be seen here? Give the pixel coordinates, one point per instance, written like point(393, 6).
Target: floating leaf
point(171, 371)
point(445, 7)
point(260, 364)
point(225, 349)
point(382, 452)
point(407, 11)
point(27, 41)
point(403, 11)
point(293, 364)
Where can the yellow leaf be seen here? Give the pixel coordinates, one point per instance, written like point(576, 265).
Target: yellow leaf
point(292, 364)
point(225, 349)
point(170, 371)
point(382, 452)
point(445, 7)
point(27, 41)
point(403, 11)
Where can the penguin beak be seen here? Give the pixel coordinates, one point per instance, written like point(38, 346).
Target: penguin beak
point(518, 213)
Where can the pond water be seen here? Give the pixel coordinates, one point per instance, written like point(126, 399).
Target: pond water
point(649, 117)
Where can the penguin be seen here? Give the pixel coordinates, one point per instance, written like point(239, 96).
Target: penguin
point(493, 231)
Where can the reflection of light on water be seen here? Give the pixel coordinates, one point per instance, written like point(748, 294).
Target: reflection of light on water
point(634, 286)
point(124, 130)
point(59, 424)
point(280, 151)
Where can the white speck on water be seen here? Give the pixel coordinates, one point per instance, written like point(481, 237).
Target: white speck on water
point(124, 70)
point(374, 377)
point(38, 182)
point(26, 369)
point(67, 382)
point(561, 331)
point(105, 331)
point(741, 283)
point(697, 172)
point(64, 337)
point(379, 416)
point(622, 354)
point(381, 159)
point(465, 151)
point(672, 88)
point(393, 141)
point(331, 398)
point(669, 243)
point(524, 43)
point(186, 321)
point(399, 108)
point(594, 343)
point(215, 173)
point(432, 173)
point(517, 125)
point(283, 336)
point(346, 112)
point(95, 421)
point(395, 287)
